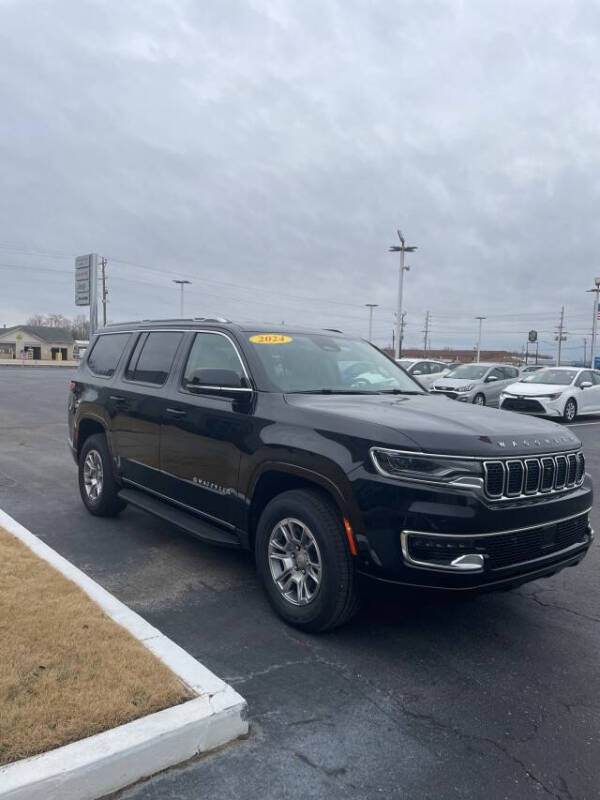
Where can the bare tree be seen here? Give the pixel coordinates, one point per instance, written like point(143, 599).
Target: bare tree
point(36, 320)
point(80, 327)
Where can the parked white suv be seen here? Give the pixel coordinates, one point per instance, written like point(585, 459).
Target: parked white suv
point(424, 370)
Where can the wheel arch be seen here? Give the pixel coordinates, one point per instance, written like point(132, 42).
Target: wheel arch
point(274, 478)
point(88, 426)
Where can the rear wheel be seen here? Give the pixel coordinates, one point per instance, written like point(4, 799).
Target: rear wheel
point(570, 410)
point(479, 399)
point(97, 485)
point(303, 560)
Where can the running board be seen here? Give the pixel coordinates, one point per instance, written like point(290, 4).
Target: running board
point(182, 519)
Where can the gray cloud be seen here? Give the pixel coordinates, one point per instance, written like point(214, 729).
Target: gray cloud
point(268, 150)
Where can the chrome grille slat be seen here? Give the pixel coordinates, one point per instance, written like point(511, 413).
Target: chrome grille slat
point(525, 477)
point(561, 472)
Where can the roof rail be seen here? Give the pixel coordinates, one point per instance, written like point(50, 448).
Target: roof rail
point(333, 330)
point(211, 319)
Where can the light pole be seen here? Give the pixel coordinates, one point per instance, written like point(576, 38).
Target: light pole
point(596, 291)
point(404, 248)
point(479, 338)
point(181, 285)
point(371, 306)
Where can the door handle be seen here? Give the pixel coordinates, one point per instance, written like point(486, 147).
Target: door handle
point(117, 398)
point(176, 412)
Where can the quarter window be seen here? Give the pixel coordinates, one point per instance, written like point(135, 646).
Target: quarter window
point(153, 356)
point(106, 353)
point(211, 351)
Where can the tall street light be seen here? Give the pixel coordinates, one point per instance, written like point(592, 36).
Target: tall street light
point(181, 285)
point(402, 249)
point(371, 306)
point(596, 291)
point(479, 338)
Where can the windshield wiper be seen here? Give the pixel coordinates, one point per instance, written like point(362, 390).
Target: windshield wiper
point(400, 391)
point(333, 391)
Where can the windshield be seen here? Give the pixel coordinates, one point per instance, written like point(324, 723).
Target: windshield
point(563, 377)
point(302, 362)
point(468, 372)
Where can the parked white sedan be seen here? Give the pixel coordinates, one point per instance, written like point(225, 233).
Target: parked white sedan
point(425, 371)
point(555, 392)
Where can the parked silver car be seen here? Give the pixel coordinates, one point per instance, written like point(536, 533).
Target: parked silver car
point(425, 371)
point(477, 383)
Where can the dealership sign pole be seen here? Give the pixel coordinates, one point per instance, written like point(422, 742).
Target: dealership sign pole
point(596, 292)
point(86, 285)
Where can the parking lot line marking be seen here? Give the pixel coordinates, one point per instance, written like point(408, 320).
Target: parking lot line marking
point(579, 424)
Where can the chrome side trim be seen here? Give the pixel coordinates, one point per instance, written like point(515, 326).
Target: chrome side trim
point(191, 509)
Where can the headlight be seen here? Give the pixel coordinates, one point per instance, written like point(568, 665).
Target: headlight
point(422, 467)
point(468, 388)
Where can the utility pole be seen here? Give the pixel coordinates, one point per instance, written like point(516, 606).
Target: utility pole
point(402, 326)
point(584, 350)
point(103, 265)
point(371, 306)
point(425, 331)
point(596, 291)
point(402, 249)
point(479, 338)
point(561, 335)
point(181, 285)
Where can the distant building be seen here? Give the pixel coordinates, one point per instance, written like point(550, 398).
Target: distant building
point(465, 356)
point(36, 342)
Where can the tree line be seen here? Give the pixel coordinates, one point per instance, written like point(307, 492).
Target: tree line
point(79, 326)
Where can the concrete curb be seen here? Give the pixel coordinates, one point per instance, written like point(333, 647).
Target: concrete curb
point(111, 760)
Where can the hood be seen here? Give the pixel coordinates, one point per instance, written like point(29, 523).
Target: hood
point(535, 389)
point(439, 425)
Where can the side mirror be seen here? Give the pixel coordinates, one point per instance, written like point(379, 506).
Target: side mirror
point(217, 380)
point(491, 378)
point(585, 385)
point(416, 372)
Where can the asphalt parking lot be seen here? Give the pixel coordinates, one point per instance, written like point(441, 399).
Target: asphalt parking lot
point(419, 697)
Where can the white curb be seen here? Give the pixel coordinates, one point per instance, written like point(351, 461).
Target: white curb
point(108, 761)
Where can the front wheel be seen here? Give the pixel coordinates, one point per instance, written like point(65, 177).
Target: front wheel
point(304, 562)
point(570, 411)
point(479, 399)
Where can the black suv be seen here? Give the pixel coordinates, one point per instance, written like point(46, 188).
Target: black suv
point(318, 453)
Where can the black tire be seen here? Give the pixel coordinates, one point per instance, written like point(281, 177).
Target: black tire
point(479, 399)
point(336, 599)
point(106, 503)
point(570, 410)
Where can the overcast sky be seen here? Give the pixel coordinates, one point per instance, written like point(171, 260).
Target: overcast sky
point(267, 151)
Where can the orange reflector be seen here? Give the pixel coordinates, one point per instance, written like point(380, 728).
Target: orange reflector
point(350, 536)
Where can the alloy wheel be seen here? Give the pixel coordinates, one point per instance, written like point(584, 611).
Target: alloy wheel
point(93, 475)
point(295, 561)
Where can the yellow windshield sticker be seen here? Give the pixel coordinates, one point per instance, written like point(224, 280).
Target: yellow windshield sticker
point(270, 338)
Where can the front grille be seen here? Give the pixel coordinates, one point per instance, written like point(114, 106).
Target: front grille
point(522, 404)
point(517, 477)
point(504, 549)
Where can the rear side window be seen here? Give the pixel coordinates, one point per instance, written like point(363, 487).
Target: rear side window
point(106, 353)
point(153, 356)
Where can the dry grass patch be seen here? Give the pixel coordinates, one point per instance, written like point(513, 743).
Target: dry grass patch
point(66, 669)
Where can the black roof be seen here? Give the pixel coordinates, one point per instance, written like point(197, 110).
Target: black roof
point(217, 323)
point(45, 332)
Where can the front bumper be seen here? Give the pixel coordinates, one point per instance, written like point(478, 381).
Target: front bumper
point(540, 406)
point(456, 539)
